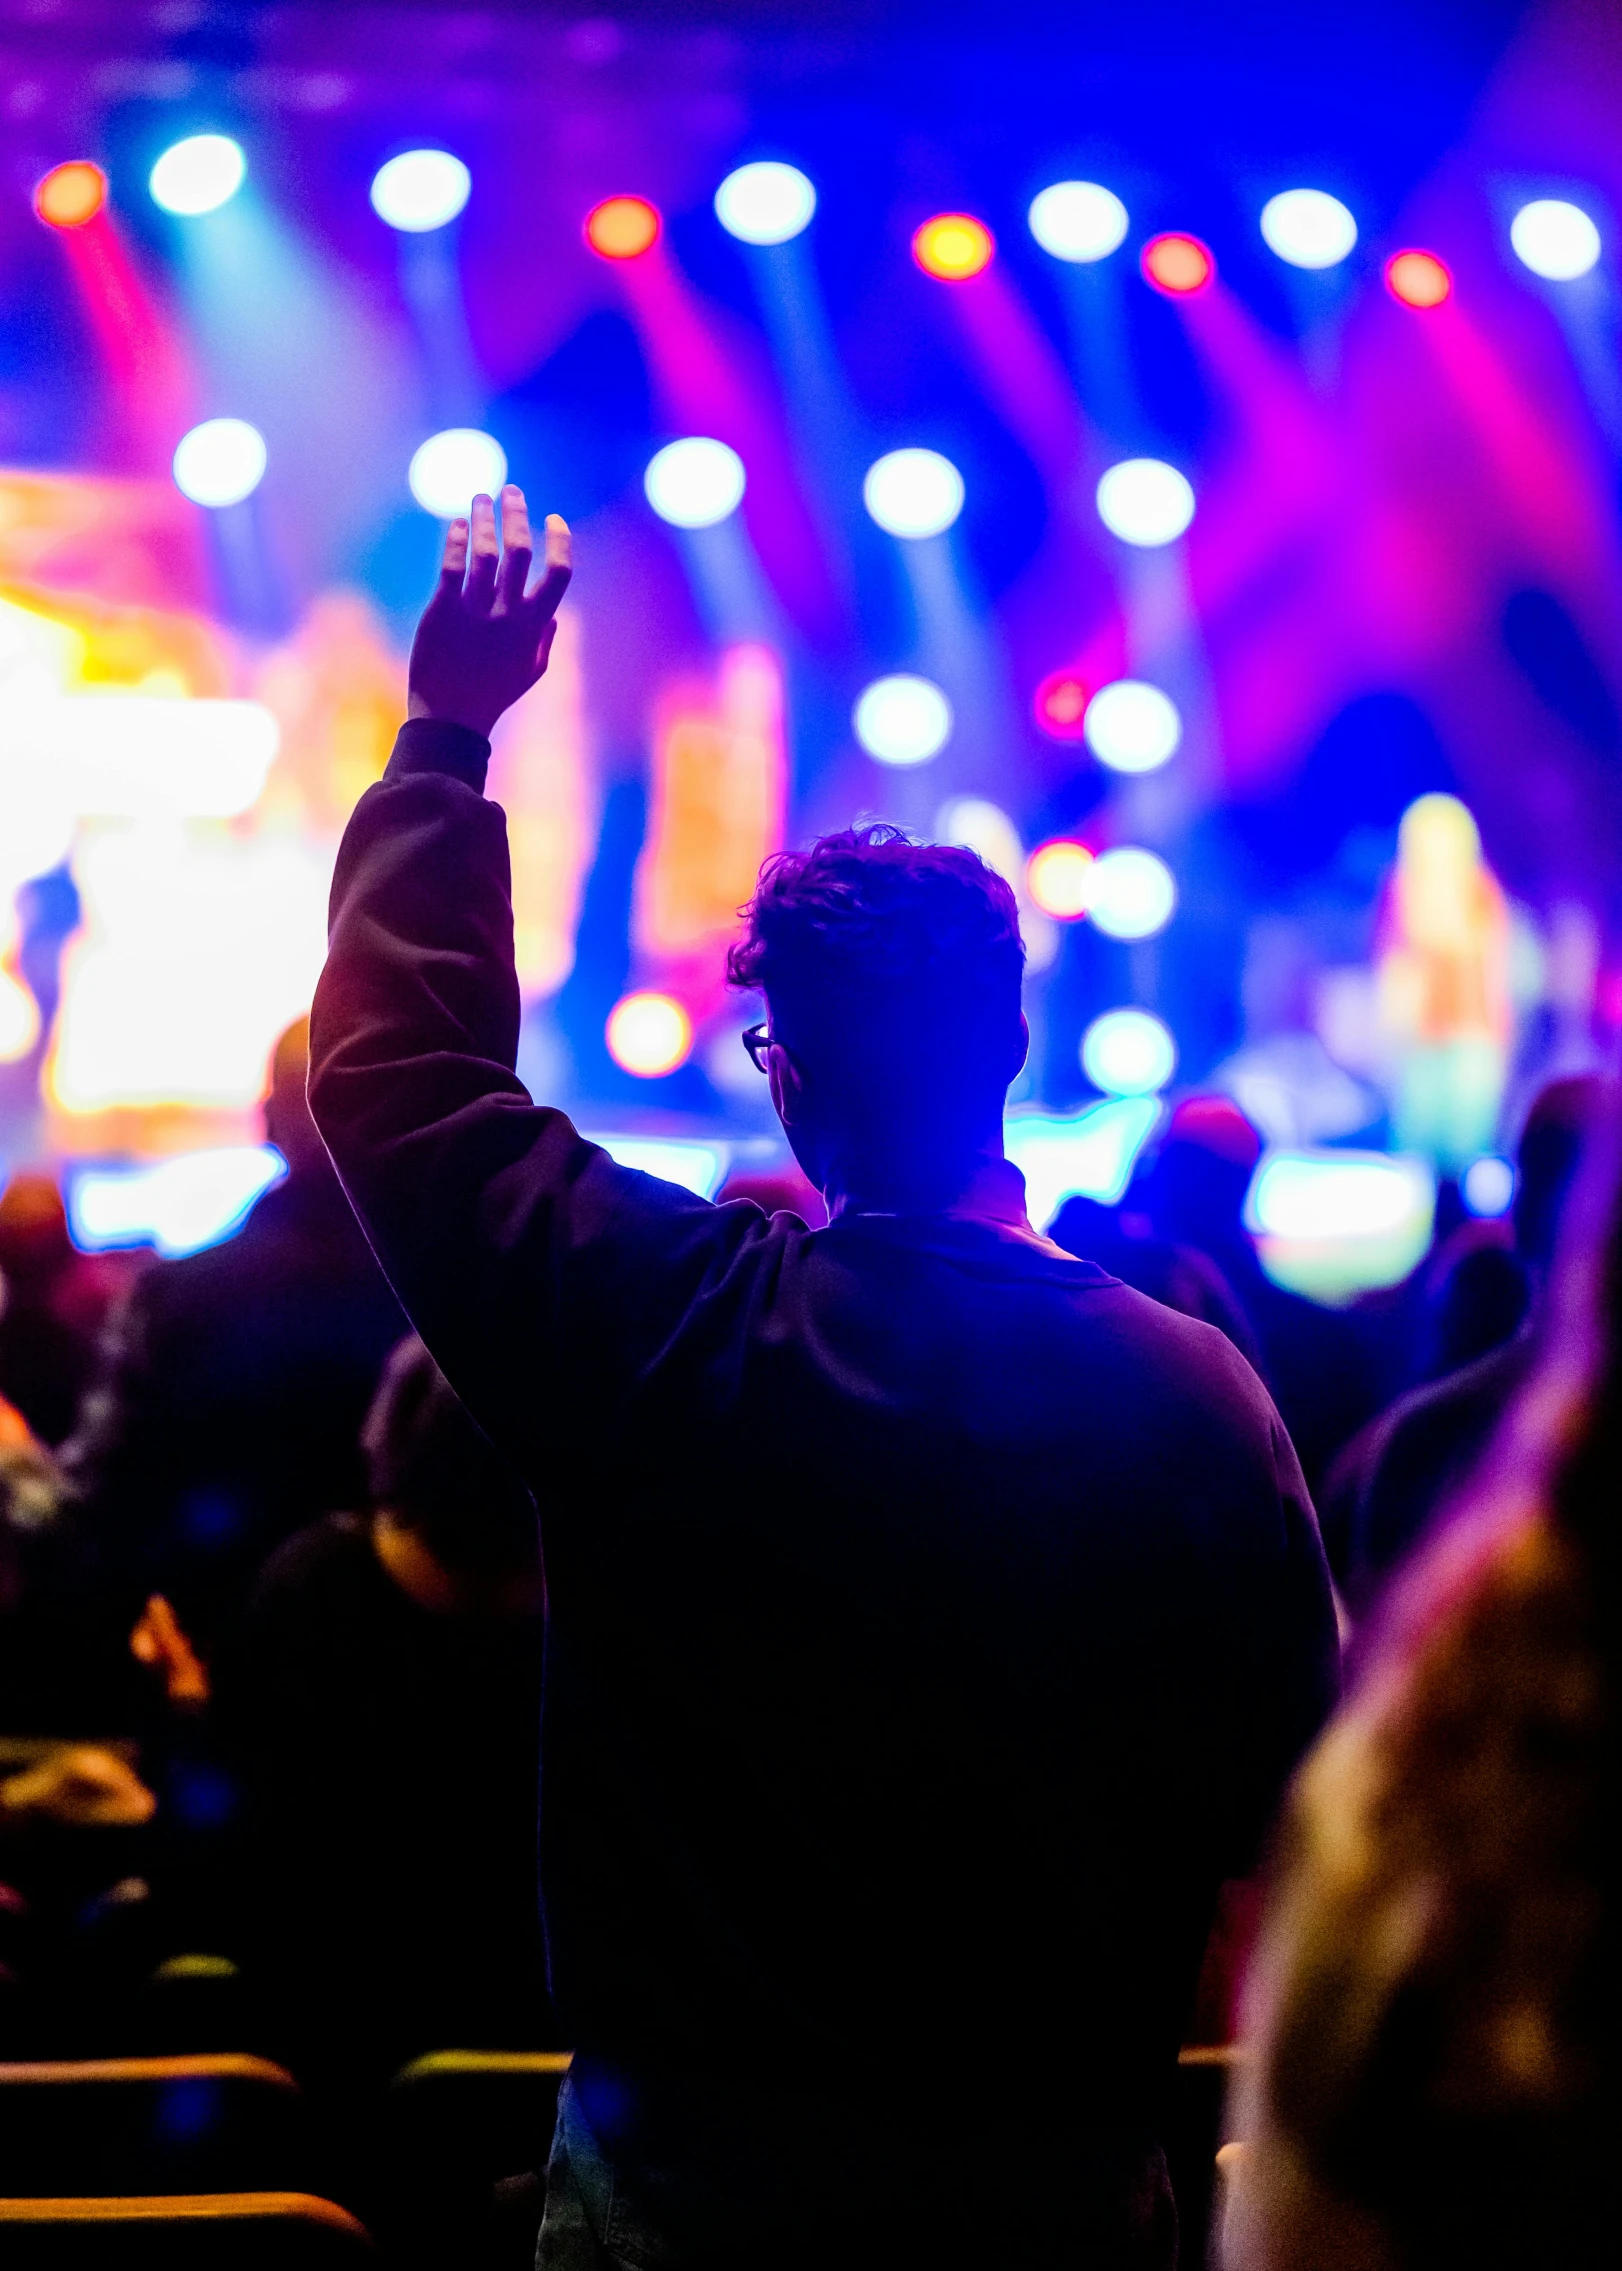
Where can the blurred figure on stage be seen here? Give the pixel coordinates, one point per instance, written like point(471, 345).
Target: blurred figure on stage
point(233, 1386)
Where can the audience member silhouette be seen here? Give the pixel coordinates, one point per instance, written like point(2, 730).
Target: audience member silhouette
point(1395, 1476)
point(64, 1669)
point(932, 1620)
point(1179, 1276)
point(385, 1698)
point(51, 1305)
point(1437, 2078)
point(234, 1383)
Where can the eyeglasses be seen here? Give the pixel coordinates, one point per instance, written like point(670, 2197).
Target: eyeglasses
point(757, 1040)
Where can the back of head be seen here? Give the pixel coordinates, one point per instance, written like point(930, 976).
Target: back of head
point(34, 1241)
point(436, 1471)
point(287, 1112)
point(892, 975)
point(1198, 1183)
point(1563, 1117)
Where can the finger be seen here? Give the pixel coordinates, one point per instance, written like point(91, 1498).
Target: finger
point(483, 555)
point(515, 548)
point(453, 561)
point(559, 568)
point(544, 653)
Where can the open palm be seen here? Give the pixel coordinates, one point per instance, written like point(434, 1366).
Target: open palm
point(483, 639)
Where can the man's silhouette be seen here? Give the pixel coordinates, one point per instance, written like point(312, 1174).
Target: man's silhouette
point(932, 1620)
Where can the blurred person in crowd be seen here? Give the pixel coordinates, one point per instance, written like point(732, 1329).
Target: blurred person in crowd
point(1179, 1276)
point(385, 1699)
point(52, 1301)
point(228, 1409)
point(1394, 1476)
point(1433, 2009)
point(1313, 1359)
point(1475, 1291)
point(931, 1618)
point(64, 1667)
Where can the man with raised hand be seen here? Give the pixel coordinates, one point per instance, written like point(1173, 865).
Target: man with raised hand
point(932, 1621)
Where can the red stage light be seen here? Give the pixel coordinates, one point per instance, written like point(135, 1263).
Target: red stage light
point(71, 194)
point(952, 246)
point(1418, 279)
point(622, 227)
point(1061, 705)
point(1178, 265)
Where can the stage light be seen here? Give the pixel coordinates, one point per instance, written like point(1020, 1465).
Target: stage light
point(71, 194)
point(1126, 1052)
point(1090, 1155)
point(696, 1167)
point(1488, 1186)
point(1145, 501)
point(953, 246)
point(450, 469)
point(765, 203)
point(420, 190)
point(649, 1035)
point(220, 462)
point(1308, 228)
point(1332, 1224)
point(19, 1019)
point(179, 1206)
point(902, 720)
point(1059, 879)
point(1418, 279)
point(1132, 727)
point(621, 228)
point(198, 175)
point(1060, 705)
point(695, 482)
point(1178, 265)
point(1555, 239)
point(1132, 893)
point(1077, 220)
point(913, 492)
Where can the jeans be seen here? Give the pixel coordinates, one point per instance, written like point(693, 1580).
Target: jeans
point(1106, 2205)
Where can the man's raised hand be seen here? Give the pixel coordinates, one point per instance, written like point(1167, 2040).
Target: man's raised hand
point(483, 639)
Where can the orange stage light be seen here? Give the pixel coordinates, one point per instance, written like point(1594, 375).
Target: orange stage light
point(71, 194)
point(1059, 878)
point(952, 246)
point(1178, 265)
point(622, 227)
point(1061, 705)
point(1418, 279)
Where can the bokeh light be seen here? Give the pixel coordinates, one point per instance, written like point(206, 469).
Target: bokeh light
point(1058, 877)
point(1060, 705)
point(420, 190)
point(1418, 279)
point(220, 462)
point(1077, 220)
point(953, 246)
point(1555, 238)
point(451, 468)
point(1132, 894)
point(198, 175)
point(902, 719)
point(621, 228)
point(765, 203)
point(648, 1034)
point(1132, 726)
point(1487, 1186)
point(1145, 501)
point(1126, 1052)
point(694, 483)
point(1308, 228)
point(71, 194)
point(1178, 265)
point(913, 492)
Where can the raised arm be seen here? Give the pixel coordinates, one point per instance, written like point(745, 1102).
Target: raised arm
point(505, 1235)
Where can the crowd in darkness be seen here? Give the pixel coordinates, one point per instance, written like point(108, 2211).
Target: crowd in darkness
point(932, 1614)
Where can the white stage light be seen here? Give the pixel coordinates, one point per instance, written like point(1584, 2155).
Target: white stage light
point(697, 1167)
point(220, 462)
point(913, 492)
point(1126, 1052)
point(1078, 220)
point(1488, 1186)
point(179, 1206)
point(1090, 1155)
point(765, 203)
point(1131, 726)
point(1308, 228)
point(902, 720)
point(452, 468)
point(198, 175)
point(1130, 893)
point(1555, 238)
point(694, 483)
point(420, 190)
point(1145, 501)
point(649, 1034)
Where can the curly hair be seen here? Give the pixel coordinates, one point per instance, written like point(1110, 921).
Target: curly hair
point(869, 933)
